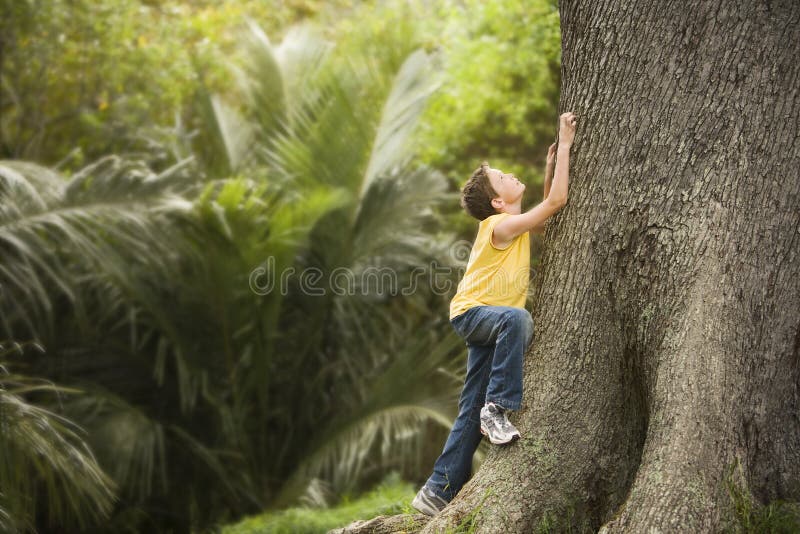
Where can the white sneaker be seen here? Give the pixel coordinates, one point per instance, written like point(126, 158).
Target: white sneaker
point(427, 502)
point(495, 424)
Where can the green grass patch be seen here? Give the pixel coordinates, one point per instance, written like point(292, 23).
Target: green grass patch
point(392, 496)
point(750, 517)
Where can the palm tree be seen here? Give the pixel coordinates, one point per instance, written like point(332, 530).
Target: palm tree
point(368, 366)
point(371, 365)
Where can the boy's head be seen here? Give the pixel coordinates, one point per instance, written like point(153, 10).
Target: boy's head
point(489, 191)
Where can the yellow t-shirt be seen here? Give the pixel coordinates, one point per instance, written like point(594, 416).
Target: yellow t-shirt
point(494, 276)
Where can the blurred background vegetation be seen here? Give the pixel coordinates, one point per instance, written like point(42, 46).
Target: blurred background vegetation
point(153, 156)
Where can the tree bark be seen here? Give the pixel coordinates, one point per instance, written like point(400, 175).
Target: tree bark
point(667, 344)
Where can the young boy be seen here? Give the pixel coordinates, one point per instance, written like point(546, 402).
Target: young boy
point(488, 311)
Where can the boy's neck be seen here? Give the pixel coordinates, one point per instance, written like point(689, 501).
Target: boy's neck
point(513, 209)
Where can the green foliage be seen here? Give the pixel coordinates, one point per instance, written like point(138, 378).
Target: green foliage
point(91, 73)
point(202, 396)
point(304, 108)
point(500, 70)
point(86, 74)
point(390, 497)
point(501, 90)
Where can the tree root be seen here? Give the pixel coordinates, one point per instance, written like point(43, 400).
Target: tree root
point(385, 524)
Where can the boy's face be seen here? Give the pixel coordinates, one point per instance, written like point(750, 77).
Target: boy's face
point(508, 188)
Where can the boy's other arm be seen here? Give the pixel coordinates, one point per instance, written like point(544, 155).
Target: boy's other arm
point(514, 225)
point(548, 180)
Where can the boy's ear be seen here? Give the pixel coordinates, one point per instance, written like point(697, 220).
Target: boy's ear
point(497, 203)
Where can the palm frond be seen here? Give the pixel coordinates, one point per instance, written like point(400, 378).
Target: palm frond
point(263, 81)
point(312, 128)
point(302, 56)
point(41, 448)
point(412, 86)
point(53, 232)
point(126, 440)
point(225, 141)
point(394, 221)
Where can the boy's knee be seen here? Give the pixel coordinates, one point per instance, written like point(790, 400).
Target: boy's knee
point(521, 319)
point(519, 316)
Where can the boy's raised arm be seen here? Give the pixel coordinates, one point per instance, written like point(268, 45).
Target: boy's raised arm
point(548, 181)
point(514, 225)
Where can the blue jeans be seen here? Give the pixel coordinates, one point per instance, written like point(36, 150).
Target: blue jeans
point(496, 338)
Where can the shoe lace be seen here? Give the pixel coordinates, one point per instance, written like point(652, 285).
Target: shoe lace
point(505, 423)
point(501, 420)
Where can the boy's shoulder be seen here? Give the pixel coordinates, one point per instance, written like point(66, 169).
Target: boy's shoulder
point(494, 218)
point(486, 230)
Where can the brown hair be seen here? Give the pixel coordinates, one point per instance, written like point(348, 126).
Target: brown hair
point(477, 194)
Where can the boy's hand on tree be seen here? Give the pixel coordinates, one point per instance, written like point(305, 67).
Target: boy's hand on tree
point(566, 128)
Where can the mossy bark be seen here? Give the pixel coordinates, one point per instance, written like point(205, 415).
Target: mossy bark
point(667, 340)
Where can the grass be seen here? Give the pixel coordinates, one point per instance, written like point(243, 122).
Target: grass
point(551, 523)
point(469, 523)
point(390, 497)
point(751, 517)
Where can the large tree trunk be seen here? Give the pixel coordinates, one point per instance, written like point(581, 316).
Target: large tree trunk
point(667, 341)
point(667, 318)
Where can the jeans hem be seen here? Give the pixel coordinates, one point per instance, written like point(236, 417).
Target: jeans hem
point(506, 404)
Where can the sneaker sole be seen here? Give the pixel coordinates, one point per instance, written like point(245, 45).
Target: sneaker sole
point(514, 437)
